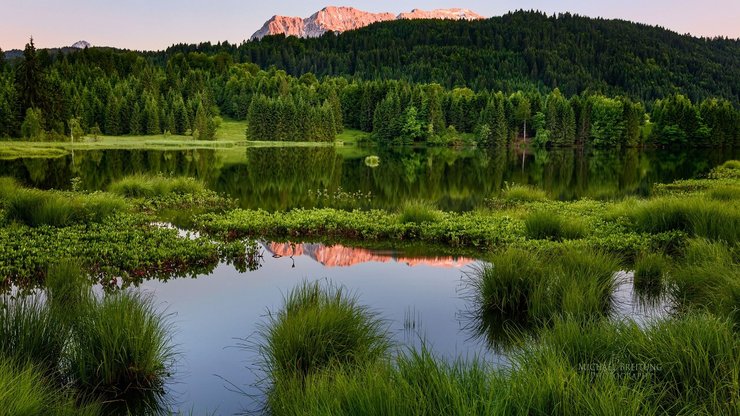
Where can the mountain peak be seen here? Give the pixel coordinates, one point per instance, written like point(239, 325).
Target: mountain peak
point(81, 44)
point(341, 18)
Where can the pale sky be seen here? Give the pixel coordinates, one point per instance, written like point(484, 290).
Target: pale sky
point(157, 24)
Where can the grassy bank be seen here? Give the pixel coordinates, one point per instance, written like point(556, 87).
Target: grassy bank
point(575, 367)
point(117, 238)
point(68, 351)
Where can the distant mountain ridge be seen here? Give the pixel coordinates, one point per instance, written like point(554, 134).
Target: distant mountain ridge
point(342, 19)
point(80, 44)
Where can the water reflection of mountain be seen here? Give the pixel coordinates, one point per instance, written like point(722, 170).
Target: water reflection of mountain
point(342, 256)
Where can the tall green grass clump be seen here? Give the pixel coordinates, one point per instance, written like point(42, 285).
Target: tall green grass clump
point(541, 225)
point(711, 219)
point(523, 193)
point(649, 274)
point(724, 193)
point(417, 383)
point(8, 187)
point(121, 351)
point(148, 186)
point(418, 212)
point(320, 327)
point(708, 278)
point(519, 289)
point(35, 207)
point(24, 390)
point(679, 366)
point(586, 283)
point(31, 331)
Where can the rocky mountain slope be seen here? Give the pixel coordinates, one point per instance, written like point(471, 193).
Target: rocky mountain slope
point(342, 19)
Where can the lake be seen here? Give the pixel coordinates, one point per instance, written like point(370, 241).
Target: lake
point(420, 294)
point(279, 178)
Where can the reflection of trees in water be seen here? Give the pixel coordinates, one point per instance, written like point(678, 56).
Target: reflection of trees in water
point(277, 178)
point(287, 177)
point(98, 168)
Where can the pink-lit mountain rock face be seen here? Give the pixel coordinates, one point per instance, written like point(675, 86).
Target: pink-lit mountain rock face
point(342, 19)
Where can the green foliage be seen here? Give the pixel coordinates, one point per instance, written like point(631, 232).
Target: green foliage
point(548, 225)
point(36, 208)
point(697, 216)
point(649, 274)
point(319, 328)
point(517, 289)
point(418, 212)
point(523, 193)
point(607, 124)
point(25, 391)
point(31, 331)
point(148, 186)
point(33, 126)
point(121, 351)
point(708, 278)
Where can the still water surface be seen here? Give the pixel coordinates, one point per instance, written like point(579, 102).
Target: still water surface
point(289, 177)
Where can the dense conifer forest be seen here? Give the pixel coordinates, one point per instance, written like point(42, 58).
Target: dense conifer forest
point(562, 80)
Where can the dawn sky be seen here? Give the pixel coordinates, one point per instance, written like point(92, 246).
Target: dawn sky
point(156, 24)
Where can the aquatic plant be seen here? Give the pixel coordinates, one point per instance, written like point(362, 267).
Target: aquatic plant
point(519, 290)
point(650, 269)
point(320, 327)
point(542, 225)
point(708, 278)
point(24, 390)
point(36, 208)
point(418, 212)
point(31, 331)
point(121, 351)
point(147, 186)
point(697, 216)
point(523, 193)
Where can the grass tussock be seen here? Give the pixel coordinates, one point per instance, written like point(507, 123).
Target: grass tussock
point(417, 384)
point(148, 186)
point(682, 366)
point(35, 208)
point(523, 193)
point(724, 193)
point(31, 331)
point(716, 220)
point(708, 279)
point(419, 212)
point(544, 225)
point(517, 290)
point(649, 274)
point(319, 327)
point(122, 351)
point(115, 350)
point(25, 390)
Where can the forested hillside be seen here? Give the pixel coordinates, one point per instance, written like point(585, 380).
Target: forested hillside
point(573, 81)
point(521, 50)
